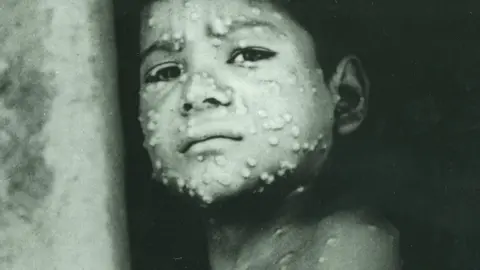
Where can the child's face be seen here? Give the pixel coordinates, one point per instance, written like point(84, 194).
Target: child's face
point(232, 97)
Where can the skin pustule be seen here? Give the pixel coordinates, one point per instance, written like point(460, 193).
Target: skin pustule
point(239, 119)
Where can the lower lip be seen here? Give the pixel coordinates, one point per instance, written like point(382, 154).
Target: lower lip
point(216, 145)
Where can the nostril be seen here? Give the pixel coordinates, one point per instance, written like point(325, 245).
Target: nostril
point(187, 107)
point(212, 101)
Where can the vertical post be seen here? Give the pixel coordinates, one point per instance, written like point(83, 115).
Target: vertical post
point(61, 156)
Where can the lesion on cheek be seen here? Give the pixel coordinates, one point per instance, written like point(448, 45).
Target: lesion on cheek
point(158, 90)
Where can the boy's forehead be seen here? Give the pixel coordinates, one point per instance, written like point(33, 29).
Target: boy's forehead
point(165, 16)
point(165, 9)
point(170, 17)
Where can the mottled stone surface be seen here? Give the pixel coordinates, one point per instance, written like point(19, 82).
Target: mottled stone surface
point(60, 152)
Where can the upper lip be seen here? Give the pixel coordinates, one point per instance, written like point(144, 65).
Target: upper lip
point(209, 131)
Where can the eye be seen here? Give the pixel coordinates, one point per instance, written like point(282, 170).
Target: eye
point(250, 54)
point(163, 72)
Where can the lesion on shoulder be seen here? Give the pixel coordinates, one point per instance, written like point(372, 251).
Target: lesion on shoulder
point(358, 239)
point(361, 220)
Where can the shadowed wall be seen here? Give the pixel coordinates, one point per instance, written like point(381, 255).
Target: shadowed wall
point(61, 178)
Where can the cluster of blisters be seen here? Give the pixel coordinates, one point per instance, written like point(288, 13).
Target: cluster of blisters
point(191, 186)
point(152, 138)
point(285, 166)
point(152, 125)
point(207, 181)
point(195, 187)
point(267, 177)
point(203, 187)
point(285, 122)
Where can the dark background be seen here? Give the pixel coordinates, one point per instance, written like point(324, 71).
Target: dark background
point(420, 145)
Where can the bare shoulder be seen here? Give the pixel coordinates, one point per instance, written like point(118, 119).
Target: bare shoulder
point(357, 240)
point(361, 220)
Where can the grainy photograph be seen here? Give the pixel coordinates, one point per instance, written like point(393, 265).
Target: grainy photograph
point(240, 135)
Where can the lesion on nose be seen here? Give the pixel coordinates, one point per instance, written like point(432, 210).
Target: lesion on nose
point(204, 92)
point(206, 103)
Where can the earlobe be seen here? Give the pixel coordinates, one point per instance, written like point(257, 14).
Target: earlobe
point(350, 84)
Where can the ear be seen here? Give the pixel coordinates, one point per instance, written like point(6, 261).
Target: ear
point(350, 87)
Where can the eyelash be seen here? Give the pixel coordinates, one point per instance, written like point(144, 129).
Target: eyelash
point(265, 54)
point(153, 74)
point(259, 53)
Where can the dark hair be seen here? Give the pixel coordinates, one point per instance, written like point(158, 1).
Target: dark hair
point(332, 32)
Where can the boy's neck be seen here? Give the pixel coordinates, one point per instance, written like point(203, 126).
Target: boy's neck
point(260, 232)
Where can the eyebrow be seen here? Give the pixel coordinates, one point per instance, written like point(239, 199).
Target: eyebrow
point(158, 45)
point(240, 25)
point(168, 45)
